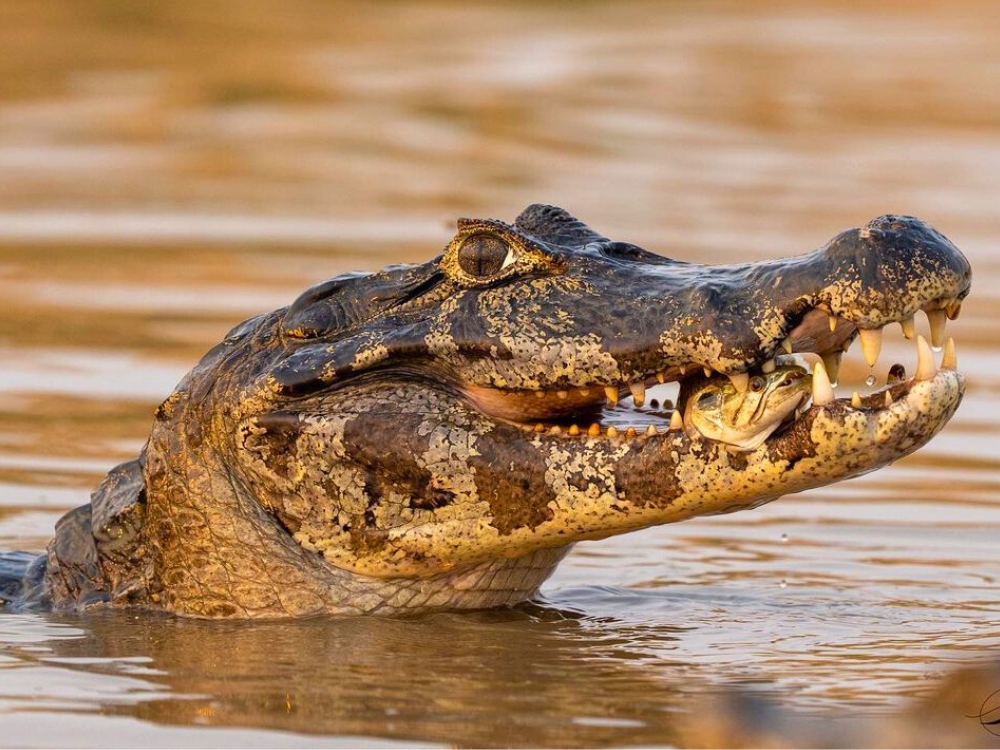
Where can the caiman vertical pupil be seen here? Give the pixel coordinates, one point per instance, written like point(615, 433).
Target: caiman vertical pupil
point(483, 255)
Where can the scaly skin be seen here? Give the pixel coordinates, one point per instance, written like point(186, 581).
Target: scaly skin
point(373, 448)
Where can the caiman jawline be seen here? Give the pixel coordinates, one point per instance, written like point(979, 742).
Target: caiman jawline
point(595, 412)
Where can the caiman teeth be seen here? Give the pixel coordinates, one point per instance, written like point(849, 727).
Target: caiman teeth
point(595, 430)
point(822, 390)
point(786, 345)
point(888, 398)
point(925, 360)
point(676, 421)
point(954, 309)
point(769, 366)
point(909, 327)
point(871, 344)
point(638, 391)
point(856, 400)
point(833, 322)
point(938, 320)
point(611, 394)
point(949, 361)
point(831, 361)
point(740, 381)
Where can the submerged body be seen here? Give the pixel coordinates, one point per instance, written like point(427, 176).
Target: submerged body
point(437, 436)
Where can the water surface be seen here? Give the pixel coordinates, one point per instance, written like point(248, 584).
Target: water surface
point(168, 171)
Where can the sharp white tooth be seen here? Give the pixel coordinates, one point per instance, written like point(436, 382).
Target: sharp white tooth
point(585, 392)
point(708, 371)
point(888, 398)
point(740, 381)
point(574, 429)
point(954, 309)
point(787, 346)
point(661, 377)
point(938, 320)
point(949, 361)
point(925, 360)
point(831, 361)
point(630, 432)
point(539, 427)
point(856, 400)
point(556, 430)
point(822, 390)
point(871, 344)
point(683, 369)
point(651, 430)
point(768, 367)
point(595, 430)
point(676, 420)
point(611, 393)
point(562, 394)
point(832, 319)
point(540, 394)
point(612, 432)
point(909, 327)
point(638, 393)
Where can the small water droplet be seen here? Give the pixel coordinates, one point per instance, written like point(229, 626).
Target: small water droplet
point(936, 348)
point(871, 380)
point(783, 583)
point(784, 537)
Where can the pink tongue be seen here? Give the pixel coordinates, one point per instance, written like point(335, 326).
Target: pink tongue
point(813, 334)
point(527, 406)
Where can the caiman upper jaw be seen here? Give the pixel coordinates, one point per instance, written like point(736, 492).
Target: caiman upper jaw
point(591, 323)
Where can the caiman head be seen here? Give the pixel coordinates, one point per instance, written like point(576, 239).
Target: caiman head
point(437, 435)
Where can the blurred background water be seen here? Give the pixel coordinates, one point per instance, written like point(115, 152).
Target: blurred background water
point(168, 169)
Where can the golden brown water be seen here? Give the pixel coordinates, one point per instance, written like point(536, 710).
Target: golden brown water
point(167, 170)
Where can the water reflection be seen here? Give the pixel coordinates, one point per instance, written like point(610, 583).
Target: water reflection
point(513, 678)
point(527, 677)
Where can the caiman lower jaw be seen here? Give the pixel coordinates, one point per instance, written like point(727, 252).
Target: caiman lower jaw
point(594, 412)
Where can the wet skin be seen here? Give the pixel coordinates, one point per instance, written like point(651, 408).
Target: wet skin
point(432, 436)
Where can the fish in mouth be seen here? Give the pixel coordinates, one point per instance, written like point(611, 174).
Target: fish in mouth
point(438, 435)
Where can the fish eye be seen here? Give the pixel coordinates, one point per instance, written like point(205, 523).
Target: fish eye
point(757, 384)
point(485, 255)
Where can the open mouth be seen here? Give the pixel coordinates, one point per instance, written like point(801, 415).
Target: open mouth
point(655, 404)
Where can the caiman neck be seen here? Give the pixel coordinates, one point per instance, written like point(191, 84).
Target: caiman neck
point(218, 551)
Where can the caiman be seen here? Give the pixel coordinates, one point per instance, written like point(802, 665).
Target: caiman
point(438, 436)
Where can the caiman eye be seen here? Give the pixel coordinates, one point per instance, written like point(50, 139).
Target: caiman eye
point(757, 384)
point(485, 255)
